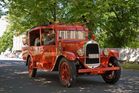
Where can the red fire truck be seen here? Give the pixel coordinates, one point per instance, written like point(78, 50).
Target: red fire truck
point(67, 49)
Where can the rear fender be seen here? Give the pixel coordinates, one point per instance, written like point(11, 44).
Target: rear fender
point(28, 59)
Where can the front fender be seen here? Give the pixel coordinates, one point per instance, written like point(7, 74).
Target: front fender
point(105, 59)
point(114, 53)
point(69, 55)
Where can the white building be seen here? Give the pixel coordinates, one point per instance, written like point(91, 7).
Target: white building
point(3, 25)
point(17, 43)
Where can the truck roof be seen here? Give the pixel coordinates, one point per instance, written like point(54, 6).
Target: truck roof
point(60, 27)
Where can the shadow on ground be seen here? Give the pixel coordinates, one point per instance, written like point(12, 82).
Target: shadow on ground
point(14, 79)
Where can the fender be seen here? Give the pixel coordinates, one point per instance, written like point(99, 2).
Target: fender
point(114, 53)
point(27, 60)
point(34, 63)
point(69, 55)
point(105, 59)
point(25, 53)
point(29, 55)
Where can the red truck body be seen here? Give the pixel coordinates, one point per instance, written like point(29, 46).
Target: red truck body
point(71, 53)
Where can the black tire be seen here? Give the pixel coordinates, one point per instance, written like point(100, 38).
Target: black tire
point(32, 71)
point(111, 77)
point(67, 72)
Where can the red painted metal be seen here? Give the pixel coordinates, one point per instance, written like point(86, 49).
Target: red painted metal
point(65, 73)
point(30, 66)
point(45, 56)
point(98, 70)
point(69, 55)
point(24, 52)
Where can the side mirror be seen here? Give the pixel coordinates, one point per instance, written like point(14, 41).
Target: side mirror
point(93, 37)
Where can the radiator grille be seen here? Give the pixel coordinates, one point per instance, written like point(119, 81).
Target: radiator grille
point(92, 49)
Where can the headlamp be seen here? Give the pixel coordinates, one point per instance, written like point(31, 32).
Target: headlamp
point(80, 52)
point(106, 52)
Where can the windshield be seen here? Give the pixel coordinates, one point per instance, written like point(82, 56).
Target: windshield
point(72, 35)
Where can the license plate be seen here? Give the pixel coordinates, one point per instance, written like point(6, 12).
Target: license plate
point(93, 55)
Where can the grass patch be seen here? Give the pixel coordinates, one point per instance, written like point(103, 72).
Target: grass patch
point(130, 66)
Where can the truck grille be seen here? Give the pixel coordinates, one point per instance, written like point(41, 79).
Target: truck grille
point(92, 54)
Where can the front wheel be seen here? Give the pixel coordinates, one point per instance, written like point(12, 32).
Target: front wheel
point(31, 70)
point(111, 77)
point(67, 72)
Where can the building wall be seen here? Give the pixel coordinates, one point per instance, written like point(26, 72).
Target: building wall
point(17, 43)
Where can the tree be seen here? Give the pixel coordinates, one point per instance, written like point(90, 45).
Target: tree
point(24, 14)
point(6, 41)
point(0, 12)
point(1, 6)
point(120, 21)
point(114, 22)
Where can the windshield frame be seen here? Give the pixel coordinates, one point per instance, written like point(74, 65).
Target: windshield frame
point(74, 37)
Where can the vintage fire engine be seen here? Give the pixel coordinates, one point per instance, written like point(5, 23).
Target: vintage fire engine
point(67, 49)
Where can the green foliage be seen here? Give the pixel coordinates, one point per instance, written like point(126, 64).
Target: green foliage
point(24, 14)
point(0, 12)
point(6, 41)
point(131, 66)
point(121, 22)
point(1, 5)
point(114, 22)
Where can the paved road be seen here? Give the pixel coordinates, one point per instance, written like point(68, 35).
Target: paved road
point(14, 79)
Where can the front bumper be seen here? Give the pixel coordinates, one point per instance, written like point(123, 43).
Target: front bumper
point(98, 70)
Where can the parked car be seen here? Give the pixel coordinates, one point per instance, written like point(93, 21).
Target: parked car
point(67, 49)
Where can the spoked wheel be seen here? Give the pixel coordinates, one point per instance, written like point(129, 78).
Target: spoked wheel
point(32, 71)
point(67, 73)
point(111, 77)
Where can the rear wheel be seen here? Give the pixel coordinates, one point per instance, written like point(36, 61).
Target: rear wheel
point(67, 72)
point(111, 77)
point(31, 70)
